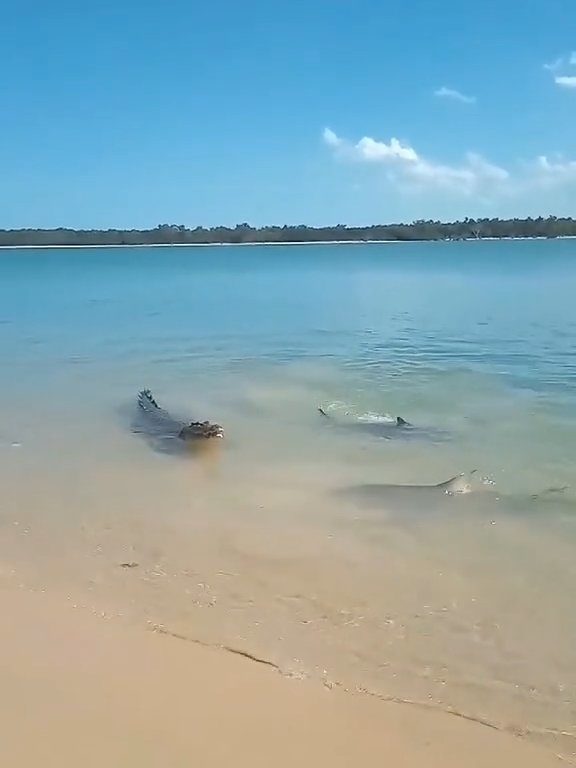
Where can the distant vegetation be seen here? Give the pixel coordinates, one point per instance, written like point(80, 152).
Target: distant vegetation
point(167, 234)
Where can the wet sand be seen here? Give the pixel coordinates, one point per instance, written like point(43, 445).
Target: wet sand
point(82, 690)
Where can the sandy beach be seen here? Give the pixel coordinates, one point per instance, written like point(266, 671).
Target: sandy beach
point(82, 690)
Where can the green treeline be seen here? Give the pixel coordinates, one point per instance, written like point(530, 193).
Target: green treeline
point(166, 234)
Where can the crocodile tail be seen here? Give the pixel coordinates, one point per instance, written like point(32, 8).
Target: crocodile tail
point(146, 400)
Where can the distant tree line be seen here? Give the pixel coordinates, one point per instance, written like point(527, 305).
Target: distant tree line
point(167, 234)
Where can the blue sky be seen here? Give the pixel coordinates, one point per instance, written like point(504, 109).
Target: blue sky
point(133, 113)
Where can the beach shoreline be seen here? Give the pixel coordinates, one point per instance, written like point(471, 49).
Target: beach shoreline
point(80, 689)
point(275, 243)
point(90, 690)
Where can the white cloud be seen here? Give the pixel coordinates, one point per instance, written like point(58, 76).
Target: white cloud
point(559, 67)
point(377, 151)
point(473, 177)
point(452, 93)
point(555, 65)
point(473, 172)
point(565, 81)
point(410, 169)
point(330, 138)
point(552, 175)
point(553, 172)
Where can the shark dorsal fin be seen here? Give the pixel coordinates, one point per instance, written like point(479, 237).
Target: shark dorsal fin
point(458, 484)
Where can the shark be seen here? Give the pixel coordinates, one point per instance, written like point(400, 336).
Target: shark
point(397, 428)
point(458, 493)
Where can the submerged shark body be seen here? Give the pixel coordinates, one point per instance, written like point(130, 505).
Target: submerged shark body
point(454, 495)
point(460, 484)
point(393, 496)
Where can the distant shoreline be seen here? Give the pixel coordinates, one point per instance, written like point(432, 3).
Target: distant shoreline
point(276, 243)
point(165, 235)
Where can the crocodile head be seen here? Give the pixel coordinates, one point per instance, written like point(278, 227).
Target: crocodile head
point(200, 430)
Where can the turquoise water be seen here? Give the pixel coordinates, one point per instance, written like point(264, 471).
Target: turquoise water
point(499, 308)
point(467, 610)
point(477, 337)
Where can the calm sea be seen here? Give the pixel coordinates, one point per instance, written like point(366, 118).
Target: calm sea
point(465, 608)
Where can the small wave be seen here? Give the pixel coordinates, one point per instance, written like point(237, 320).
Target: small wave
point(376, 418)
point(339, 406)
point(366, 417)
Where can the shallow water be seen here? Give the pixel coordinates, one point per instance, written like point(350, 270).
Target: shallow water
point(465, 604)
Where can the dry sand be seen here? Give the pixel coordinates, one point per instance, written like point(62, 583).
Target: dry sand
point(82, 691)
